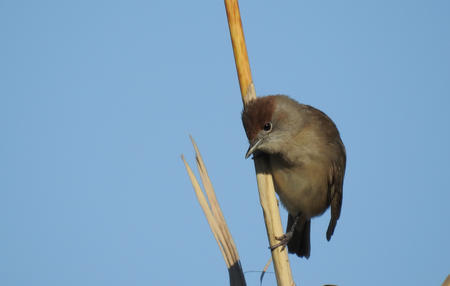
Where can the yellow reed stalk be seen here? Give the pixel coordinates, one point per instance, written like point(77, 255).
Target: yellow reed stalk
point(263, 176)
point(447, 281)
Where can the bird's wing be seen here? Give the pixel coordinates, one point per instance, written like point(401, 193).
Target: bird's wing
point(335, 185)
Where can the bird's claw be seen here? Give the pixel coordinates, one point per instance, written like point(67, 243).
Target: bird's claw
point(284, 240)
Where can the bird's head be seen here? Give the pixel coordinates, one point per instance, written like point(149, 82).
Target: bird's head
point(270, 122)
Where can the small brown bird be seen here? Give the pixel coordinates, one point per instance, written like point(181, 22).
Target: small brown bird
point(307, 159)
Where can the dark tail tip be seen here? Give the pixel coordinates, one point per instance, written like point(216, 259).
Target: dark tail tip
point(300, 242)
point(330, 229)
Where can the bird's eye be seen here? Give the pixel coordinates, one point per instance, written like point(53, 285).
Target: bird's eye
point(268, 126)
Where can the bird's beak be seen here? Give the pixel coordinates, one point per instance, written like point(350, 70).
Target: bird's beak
point(253, 147)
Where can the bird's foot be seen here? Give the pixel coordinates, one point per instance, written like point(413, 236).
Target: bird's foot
point(284, 240)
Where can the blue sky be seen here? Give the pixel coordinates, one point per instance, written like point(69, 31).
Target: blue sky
point(97, 99)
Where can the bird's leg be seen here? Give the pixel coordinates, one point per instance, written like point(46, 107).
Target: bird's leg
point(285, 238)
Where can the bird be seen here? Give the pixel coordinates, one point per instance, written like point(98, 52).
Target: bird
point(307, 160)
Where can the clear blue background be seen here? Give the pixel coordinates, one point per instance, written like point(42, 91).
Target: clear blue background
point(97, 99)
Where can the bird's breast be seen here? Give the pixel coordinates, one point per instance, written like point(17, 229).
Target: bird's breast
point(301, 187)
